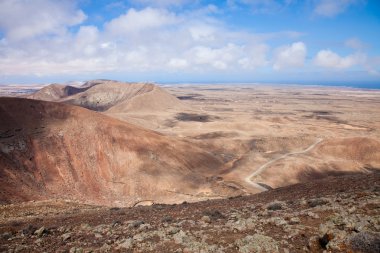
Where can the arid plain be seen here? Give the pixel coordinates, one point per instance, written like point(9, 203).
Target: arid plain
point(277, 135)
point(107, 166)
point(221, 140)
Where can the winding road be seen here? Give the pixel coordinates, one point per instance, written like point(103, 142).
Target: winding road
point(264, 166)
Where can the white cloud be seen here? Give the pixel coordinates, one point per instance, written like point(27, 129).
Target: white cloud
point(36, 41)
point(355, 43)
point(86, 40)
point(331, 8)
point(329, 59)
point(178, 63)
point(230, 56)
point(137, 21)
point(290, 56)
point(23, 19)
point(254, 56)
point(218, 58)
point(162, 3)
point(140, 40)
point(202, 32)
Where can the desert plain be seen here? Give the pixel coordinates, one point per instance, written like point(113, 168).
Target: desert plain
point(270, 136)
point(109, 166)
point(255, 136)
point(285, 133)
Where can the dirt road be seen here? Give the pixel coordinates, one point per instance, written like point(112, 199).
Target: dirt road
point(264, 166)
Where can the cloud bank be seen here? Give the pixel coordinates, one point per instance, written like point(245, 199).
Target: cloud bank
point(46, 37)
point(150, 39)
point(23, 19)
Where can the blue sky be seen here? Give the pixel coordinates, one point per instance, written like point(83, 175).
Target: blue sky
point(281, 41)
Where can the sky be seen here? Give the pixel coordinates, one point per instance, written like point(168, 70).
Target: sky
point(168, 41)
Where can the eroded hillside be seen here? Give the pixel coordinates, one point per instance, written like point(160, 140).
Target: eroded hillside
point(53, 150)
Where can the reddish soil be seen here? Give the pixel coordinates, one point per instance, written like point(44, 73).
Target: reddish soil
point(52, 150)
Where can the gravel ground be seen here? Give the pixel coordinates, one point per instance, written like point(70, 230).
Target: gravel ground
point(334, 215)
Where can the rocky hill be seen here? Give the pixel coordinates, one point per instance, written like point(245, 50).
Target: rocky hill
point(339, 214)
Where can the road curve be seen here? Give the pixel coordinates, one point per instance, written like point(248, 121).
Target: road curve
point(264, 166)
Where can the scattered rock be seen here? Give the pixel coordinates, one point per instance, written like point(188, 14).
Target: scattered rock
point(76, 250)
point(97, 235)
point(39, 232)
point(105, 248)
point(338, 220)
point(116, 223)
point(206, 219)
point(257, 243)
point(85, 226)
point(294, 220)
point(62, 229)
point(66, 237)
point(277, 221)
point(140, 237)
point(125, 244)
point(136, 224)
point(38, 242)
point(180, 237)
point(173, 230)
point(20, 248)
point(144, 227)
point(313, 215)
point(314, 244)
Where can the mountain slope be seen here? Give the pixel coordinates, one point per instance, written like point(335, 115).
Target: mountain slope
point(53, 150)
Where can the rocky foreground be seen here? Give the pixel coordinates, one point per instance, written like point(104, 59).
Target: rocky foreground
point(333, 215)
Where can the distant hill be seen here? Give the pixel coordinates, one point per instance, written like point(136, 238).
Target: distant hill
point(55, 92)
point(112, 96)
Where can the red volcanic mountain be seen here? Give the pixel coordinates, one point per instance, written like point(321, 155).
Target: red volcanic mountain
point(53, 150)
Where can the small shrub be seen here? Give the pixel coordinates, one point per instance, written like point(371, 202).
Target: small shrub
point(276, 205)
point(365, 242)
